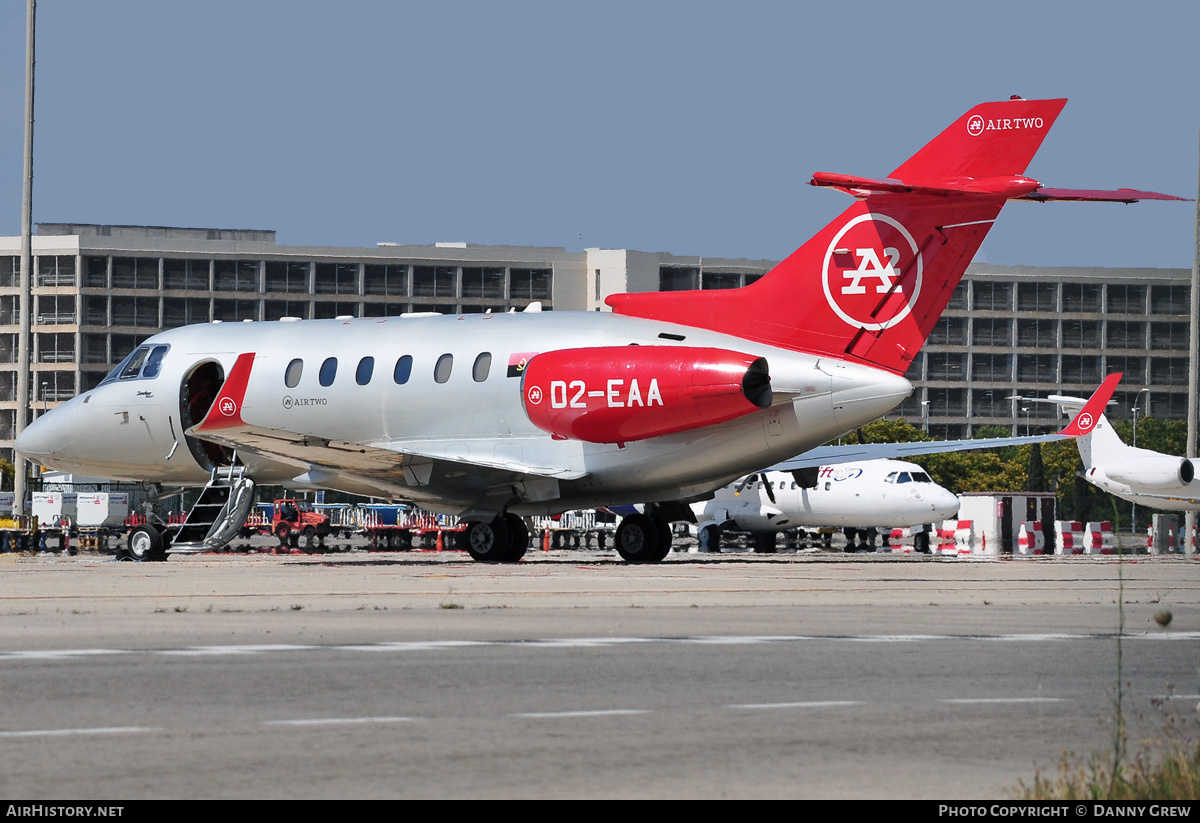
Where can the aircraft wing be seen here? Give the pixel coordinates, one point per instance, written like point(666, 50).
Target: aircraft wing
point(827, 455)
point(1082, 423)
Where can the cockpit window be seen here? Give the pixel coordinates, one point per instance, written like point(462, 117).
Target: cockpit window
point(904, 477)
point(134, 364)
point(145, 362)
point(921, 477)
point(154, 361)
point(891, 478)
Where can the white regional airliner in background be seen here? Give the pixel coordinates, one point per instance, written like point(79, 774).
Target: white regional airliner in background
point(859, 495)
point(492, 417)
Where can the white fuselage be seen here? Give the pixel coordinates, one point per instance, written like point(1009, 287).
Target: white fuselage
point(859, 495)
point(459, 443)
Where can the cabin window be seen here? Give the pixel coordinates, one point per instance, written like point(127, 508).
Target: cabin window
point(362, 375)
point(403, 369)
point(291, 376)
point(328, 371)
point(441, 372)
point(483, 365)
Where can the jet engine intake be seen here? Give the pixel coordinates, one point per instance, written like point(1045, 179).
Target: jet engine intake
point(619, 394)
point(1161, 472)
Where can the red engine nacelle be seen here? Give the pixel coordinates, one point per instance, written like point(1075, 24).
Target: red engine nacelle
point(619, 394)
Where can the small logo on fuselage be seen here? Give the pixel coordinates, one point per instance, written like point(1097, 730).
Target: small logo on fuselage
point(535, 395)
point(290, 402)
point(228, 407)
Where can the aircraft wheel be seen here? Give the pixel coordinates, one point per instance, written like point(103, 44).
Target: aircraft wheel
point(519, 534)
point(665, 537)
point(764, 542)
point(637, 539)
point(146, 544)
point(488, 542)
point(710, 538)
point(921, 542)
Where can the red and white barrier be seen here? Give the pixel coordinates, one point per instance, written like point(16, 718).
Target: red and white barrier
point(1031, 539)
point(955, 538)
point(902, 540)
point(1099, 538)
point(1071, 537)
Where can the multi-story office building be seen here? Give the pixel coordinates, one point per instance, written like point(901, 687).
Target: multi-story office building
point(99, 290)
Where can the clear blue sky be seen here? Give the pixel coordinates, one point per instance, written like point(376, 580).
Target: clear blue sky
point(688, 127)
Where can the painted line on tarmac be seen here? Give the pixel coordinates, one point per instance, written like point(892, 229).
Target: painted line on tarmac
point(337, 721)
point(578, 643)
point(580, 713)
point(973, 700)
point(809, 704)
point(67, 732)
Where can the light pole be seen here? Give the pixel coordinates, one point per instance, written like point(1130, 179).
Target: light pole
point(1025, 411)
point(1137, 397)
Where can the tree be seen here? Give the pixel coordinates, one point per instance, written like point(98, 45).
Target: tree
point(1037, 470)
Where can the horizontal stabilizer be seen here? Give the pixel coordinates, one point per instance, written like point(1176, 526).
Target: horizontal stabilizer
point(1100, 195)
point(1011, 187)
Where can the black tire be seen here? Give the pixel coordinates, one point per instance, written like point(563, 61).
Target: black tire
point(146, 544)
point(519, 537)
point(310, 537)
point(921, 542)
point(487, 542)
point(665, 538)
point(764, 542)
point(637, 539)
point(284, 533)
point(710, 538)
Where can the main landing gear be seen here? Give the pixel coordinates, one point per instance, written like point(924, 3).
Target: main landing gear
point(146, 543)
point(503, 540)
point(642, 539)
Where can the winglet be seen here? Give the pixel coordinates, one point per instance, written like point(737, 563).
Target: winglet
point(1089, 415)
point(226, 410)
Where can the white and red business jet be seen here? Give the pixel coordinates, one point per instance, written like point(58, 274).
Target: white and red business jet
point(493, 417)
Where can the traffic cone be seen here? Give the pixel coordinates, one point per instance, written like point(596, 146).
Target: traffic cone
point(439, 545)
point(546, 540)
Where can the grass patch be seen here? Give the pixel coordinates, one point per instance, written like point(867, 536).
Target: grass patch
point(1164, 769)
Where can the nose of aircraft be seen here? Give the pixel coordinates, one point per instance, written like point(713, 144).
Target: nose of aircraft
point(945, 503)
point(49, 435)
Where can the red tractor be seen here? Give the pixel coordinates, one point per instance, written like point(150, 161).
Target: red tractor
point(292, 519)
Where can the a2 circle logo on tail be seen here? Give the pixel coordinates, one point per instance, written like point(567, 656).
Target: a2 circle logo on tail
point(862, 270)
point(975, 125)
point(1085, 422)
point(227, 406)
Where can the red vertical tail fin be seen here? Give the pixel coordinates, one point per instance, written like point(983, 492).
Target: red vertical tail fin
point(871, 285)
